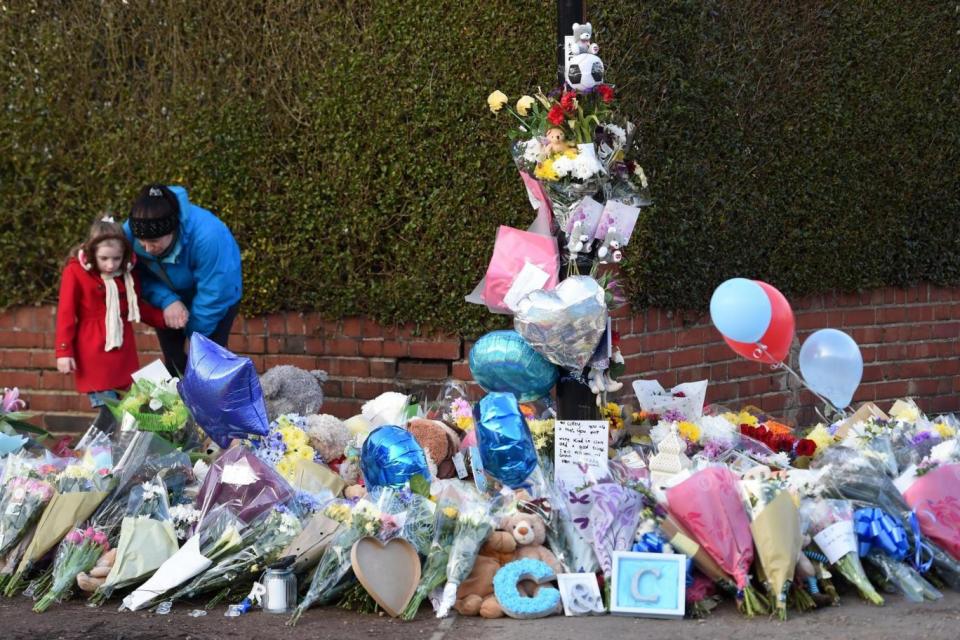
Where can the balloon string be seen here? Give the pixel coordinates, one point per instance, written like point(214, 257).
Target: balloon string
point(779, 364)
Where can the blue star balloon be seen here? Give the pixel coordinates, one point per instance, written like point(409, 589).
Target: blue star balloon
point(223, 393)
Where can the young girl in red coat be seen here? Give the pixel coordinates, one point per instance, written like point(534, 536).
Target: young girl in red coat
point(98, 302)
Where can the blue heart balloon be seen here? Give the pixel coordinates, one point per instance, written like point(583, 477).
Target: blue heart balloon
point(504, 361)
point(222, 392)
point(503, 437)
point(390, 457)
point(832, 365)
point(741, 310)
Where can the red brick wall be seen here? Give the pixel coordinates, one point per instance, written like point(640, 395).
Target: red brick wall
point(909, 339)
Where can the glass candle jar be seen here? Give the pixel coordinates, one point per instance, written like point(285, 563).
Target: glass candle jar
point(281, 586)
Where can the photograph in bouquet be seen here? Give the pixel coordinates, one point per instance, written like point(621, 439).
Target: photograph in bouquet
point(649, 585)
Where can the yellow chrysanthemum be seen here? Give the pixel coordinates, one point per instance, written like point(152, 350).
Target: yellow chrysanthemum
point(285, 468)
point(744, 417)
point(689, 431)
point(293, 437)
point(545, 171)
point(451, 512)
point(821, 437)
point(945, 430)
point(464, 423)
point(339, 512)
point(303, 452)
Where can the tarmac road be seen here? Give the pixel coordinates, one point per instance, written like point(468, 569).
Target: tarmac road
point(853, 620)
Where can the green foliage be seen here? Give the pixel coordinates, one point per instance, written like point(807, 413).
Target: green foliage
point(347, 143)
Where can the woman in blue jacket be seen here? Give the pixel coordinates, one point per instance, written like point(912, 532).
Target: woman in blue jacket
point(189, 266)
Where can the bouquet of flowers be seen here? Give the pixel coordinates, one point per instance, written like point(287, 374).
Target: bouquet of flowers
point(831, 526)
point(260, 545)
point(147, 540)
point(371, 516)
point(184, 518)
point(435, 569)
point(775, 524)
point(80, 488)
point(243, 481)
point(218, 535)
point(285, 444)
point(935, 497)
point(79, 551)
point(157, 407)
point(24, 497)
point(708, 505)
point(474, 525)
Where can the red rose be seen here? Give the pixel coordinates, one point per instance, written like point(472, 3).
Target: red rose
point(806, 447)
point(556, 115)
point(679, 394)
point(569, 101)
point(606, 92)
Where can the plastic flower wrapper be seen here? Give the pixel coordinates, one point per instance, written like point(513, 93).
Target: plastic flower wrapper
point(435, 568)
point(614, 517)
point(24, 497)
point(853, 477)
point(370, 516)
point(79, 551)
point(708, 505)
point(218, 535)
point(474, 525)
point(830, 523)
point(452, 406)
point(775, 525)
point(80, 488)
point(147, 539)
point(240, 479)
point(147, 456)
point(261, 544)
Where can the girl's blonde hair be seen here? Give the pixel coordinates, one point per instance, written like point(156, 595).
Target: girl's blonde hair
point(103, 230)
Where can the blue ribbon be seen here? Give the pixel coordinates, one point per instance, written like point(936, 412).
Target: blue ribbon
point(919, 546)
point(877, 529)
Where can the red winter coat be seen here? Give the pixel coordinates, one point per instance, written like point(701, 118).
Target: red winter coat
point(82, 330)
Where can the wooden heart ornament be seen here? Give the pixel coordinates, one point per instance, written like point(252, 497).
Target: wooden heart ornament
point(389, 572)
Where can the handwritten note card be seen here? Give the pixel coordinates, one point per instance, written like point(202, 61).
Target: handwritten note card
point(580, 451)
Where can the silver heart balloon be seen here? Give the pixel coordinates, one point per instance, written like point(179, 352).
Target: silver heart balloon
point(565, 325)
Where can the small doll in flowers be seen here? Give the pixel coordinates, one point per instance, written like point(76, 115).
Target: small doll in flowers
point(99, 300)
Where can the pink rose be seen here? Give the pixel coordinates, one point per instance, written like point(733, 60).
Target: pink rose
point(74, 537)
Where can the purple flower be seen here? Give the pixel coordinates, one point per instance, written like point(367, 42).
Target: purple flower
point(673, 416)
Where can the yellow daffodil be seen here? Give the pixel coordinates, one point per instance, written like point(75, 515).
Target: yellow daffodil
point(496, 101)
point(524, 105)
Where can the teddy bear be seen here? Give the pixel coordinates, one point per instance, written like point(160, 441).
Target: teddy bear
point(520, 535)
point(556, 141)
point(329, 437)
point(475, 594)
point(610, 250)
point(90, 582)
point(289, 389)
point(440, 443)
point(582, 35)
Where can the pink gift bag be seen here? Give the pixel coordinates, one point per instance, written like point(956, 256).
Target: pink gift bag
point(935, 497)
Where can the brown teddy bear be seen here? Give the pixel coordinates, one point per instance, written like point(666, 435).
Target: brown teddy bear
point(440, 443)
point(475, 594)
point(520, 535)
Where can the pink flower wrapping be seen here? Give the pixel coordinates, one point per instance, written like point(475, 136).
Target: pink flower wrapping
point(708, 505)
point(936, 499)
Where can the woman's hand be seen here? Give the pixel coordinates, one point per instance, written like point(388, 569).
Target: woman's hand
point(176, 315)
point(66, 365)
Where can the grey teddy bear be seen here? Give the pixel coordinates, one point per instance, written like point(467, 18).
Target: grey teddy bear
point(289, 389)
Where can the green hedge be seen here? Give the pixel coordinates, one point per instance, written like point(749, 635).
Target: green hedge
point(813, 144)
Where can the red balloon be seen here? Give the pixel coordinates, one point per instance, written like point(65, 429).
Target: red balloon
point(779, 335)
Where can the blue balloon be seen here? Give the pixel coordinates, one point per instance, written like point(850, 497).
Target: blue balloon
point(741, 310)
point(503, 437)
point(504, 361)
point(390, 457)
point(832, 365)
point(223, 393)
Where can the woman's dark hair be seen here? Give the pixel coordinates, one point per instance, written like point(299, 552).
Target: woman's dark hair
point(103, 230)
point(155, 212)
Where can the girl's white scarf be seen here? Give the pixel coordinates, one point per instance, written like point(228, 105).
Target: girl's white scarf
point(114, 323)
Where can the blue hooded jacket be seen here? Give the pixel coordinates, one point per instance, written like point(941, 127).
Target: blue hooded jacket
point(203, 266)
